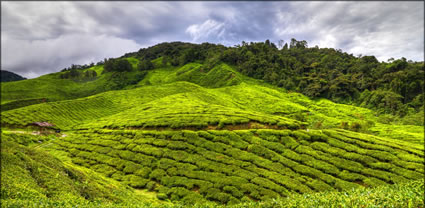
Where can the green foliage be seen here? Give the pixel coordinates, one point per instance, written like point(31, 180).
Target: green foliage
point(225, 166)
point(30, 176)
point(145, 65)
point(49, 88)
point(188, 123)
point(117, 65)
point(390, 87)
point(398, 195)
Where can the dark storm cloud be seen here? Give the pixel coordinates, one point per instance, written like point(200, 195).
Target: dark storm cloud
point(43, 37)
point(240, 21)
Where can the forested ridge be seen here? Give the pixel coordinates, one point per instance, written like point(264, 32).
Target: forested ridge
point(395, 86)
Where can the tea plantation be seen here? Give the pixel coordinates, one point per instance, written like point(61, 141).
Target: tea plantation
point(199, 134)
point(242, 165)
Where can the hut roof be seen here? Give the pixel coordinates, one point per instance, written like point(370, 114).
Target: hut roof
point(44, 124)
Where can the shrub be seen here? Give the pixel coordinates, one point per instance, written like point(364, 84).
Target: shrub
point(250, 189)
point(407, 173)
point(162, 196)
point(269, 184)
point(318, 125)
point(381, 165)
point(344, 125)
point(151, 185)
point(118, 176)
point(344, 185)
point(137, 182)
point(143, 172)
point(131, 167)
point(178, 193)
point(266, 194)
point(233, 190)
point(319, 185)
point(157, 174)
point(193, 198)
point(370, 181)
point(356, 126)
point(345, 175)
point(105, 169)
point(289, 142)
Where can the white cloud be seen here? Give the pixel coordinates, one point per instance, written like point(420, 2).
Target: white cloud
point(43, 20)
point(383, 29)
point(206, 30)
point(34, 58)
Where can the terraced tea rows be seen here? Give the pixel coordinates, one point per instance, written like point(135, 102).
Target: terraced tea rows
point(185, 110)
point(233, 166)
point(66, 114)
point(31, 177)
point(161, 101)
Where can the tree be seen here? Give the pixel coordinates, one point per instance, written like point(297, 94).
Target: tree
point(73, 73)
point(280, 44)
point(293, 43)
point(165, 60)
point(145, 65)
point(123, 65)
point(117, 65)
point(108, 65)
point(87, 74)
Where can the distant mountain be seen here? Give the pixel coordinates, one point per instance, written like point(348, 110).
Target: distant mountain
point(7, 76)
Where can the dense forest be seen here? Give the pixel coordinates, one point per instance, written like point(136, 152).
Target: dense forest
point(395, 86)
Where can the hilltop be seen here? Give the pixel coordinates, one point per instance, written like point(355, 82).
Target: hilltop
point(7, 76)
point(393, 87)
point(209, 124)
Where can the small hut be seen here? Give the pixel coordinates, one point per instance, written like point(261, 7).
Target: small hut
point(43, 126)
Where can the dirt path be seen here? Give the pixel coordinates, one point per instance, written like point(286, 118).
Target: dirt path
point(32, 133)
point(24, 132)
point(229, 127)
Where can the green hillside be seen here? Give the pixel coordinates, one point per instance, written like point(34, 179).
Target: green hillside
point(181, 124)
point(233, 166)
point(31, 177)
point(52, 87)
point(157, 104)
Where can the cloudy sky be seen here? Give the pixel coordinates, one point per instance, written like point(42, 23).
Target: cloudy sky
point(44, 37)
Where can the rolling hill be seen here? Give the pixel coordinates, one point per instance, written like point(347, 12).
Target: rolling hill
point(168, 127)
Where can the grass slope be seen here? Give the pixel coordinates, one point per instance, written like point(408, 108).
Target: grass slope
point(31, 177)
point(410, 194)
point(219, 76)
point(51, 87)
point(185, 110)
point(238, 102)
point(242, 165)
point(66, 114)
